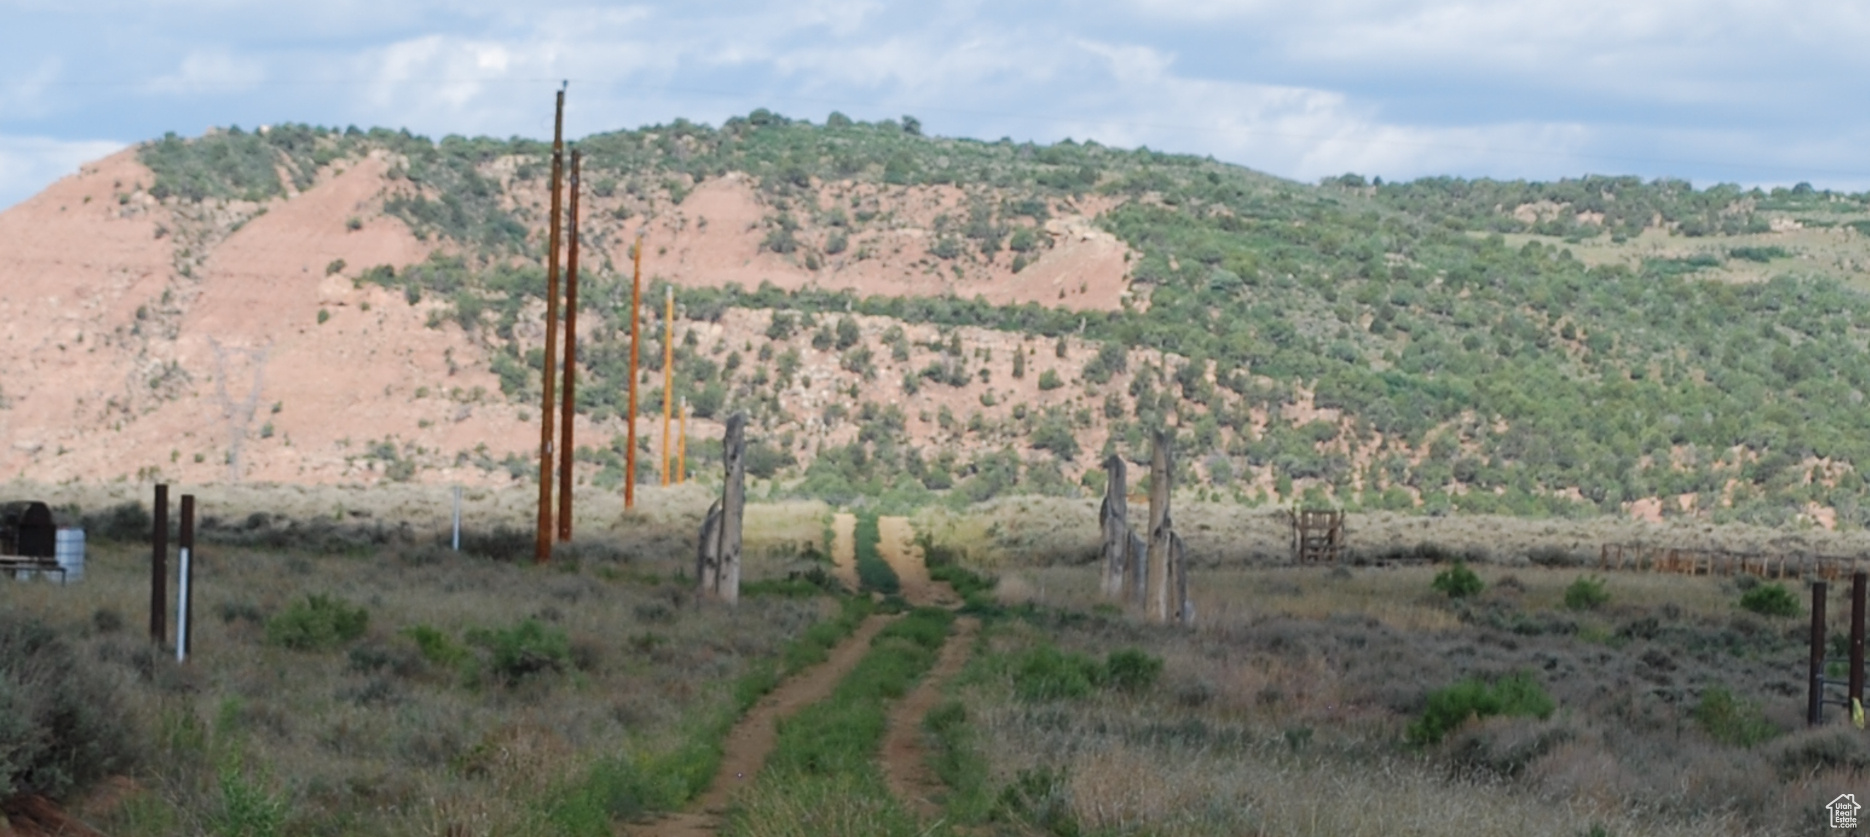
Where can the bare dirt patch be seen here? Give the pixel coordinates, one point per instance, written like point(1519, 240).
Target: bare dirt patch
point(844, 548)
point(896, 544)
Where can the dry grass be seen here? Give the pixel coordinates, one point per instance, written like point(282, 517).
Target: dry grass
point(375, 739)
point(1283, 712)
point(1028, 531)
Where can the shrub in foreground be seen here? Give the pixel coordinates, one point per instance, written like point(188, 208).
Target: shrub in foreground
point(1515, 694)
point(1770, 600)
point(1457, 581)
point(317, 623)
point(61, 726)
point(1586, 593)
point(1731, 720)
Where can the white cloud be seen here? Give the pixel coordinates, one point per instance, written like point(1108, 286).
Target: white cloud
point(27, 164)
point(210, 71)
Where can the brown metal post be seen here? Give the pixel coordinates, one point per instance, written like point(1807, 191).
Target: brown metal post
point(668, 373)
point(185, 541)
point(636, 306)
point(542, 546)
point(1857, 635)
point(1815, 687)
point(568, 410)
point(159, 567)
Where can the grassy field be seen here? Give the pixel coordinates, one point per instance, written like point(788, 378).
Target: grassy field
point(1288, 710)
point(360, 677)
point(352, 676)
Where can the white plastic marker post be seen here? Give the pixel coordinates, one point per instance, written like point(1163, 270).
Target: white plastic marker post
point(181, 609)
point(185, 604)
point(457, 518)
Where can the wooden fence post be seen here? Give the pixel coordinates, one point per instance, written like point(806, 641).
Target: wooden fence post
point(1815, 687)
point(1113, 519)
point(708, 554)
point(1161, 528)
point(1178, 567)
point(1857, 637)
point(159, 567)
point(733, 501)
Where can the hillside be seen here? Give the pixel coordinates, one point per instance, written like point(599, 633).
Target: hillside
point(903, 314)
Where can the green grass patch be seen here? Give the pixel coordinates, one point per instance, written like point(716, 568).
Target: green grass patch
point(628, 787)
point(1732, 720)
point(822, 777)
point(959, 763)
point(872, 571)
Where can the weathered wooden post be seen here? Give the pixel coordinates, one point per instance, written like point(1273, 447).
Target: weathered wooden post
point(1815, 686)
point(1857, 640)
point(717, 557)
point(1161, 527)
point(733, 502)
point(542, 547)
point(1113, 518)
point(1184, 610)
point(1136, 555)
point(568, 412)
point(159, 567)
point(708, 554)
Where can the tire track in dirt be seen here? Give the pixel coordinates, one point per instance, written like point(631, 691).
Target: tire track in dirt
point(904, 752)
point(753, 737)
point(844, 549)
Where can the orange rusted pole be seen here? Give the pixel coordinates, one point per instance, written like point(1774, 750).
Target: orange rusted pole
point(668, 372)
point(681, 448)
point(542, 549)
point(568, 411)
point(636, 305)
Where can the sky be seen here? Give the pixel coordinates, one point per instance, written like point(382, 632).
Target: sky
point(1755, 93)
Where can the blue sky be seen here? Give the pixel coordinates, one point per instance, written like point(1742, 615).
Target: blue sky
point(1758, 93)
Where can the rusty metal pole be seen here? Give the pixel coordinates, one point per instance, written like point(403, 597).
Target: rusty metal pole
point(542, 546)
point(668, 372)
point(159, 567)
point(568, 410)
point(185, 609)
point(1857, 637)
point(1815, 687)
point(636, 306)
point(681, 447)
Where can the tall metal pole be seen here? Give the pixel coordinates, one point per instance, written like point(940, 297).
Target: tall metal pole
point(542, 546)
point(159, 567)
point(1815, 687)
point(668, 372)
point(568, 411)
point(636, 306)
point(681, 448)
